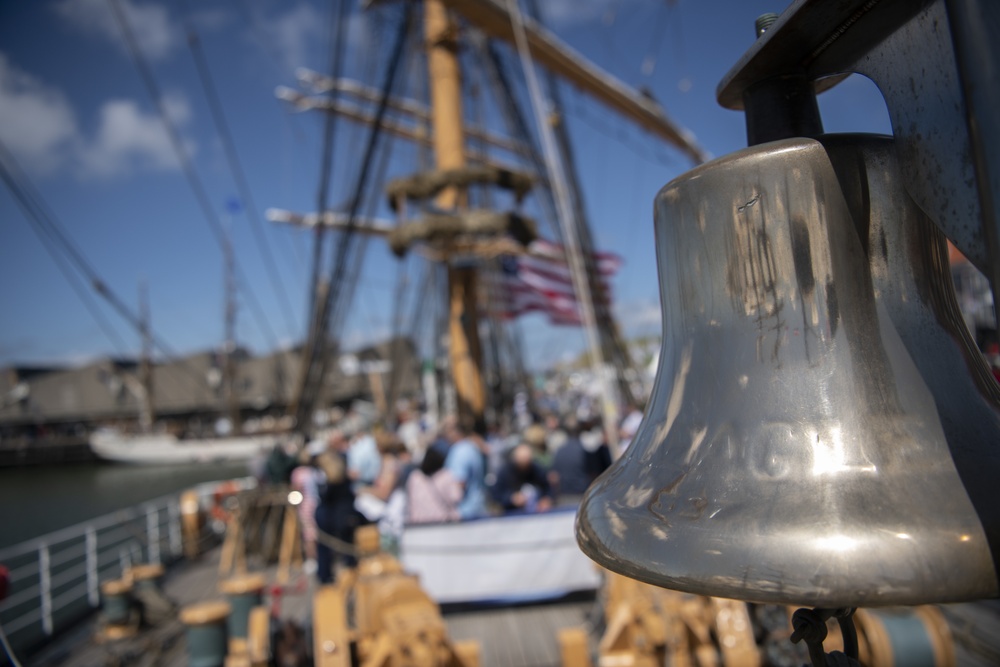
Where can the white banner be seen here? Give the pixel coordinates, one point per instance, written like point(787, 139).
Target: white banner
point(500, 559)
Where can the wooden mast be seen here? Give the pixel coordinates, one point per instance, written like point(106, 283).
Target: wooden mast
point(146, 414)
point(229, 388)
point(441, 34)
point(441, 37)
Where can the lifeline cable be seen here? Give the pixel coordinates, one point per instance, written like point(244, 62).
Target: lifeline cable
point(6, 647)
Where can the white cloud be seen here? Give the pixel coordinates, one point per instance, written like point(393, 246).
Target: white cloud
point(156, 34)
point(360, 31)
point(40, 128)
point(294, 32)
point(36, 121)
point(128, 138)
point(566, 13)
point(299, 35)
point(638, 316)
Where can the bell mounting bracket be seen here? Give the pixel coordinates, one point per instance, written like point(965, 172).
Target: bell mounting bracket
point(936, 63)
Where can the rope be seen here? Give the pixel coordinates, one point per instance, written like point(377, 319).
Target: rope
point(492, 62)
point(235, 166)
point(47, 226)
point(337, 544)
point(557, 177)
point(184, 160)
point(30, 214)
point(315, 358)
point(337, 26)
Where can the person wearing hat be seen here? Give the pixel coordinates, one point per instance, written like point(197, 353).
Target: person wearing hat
point(537, 438)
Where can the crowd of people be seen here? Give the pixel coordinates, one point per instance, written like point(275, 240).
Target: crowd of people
point(420, 473)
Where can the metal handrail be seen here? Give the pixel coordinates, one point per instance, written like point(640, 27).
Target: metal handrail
point(67, 576)
point(82, 556)
point(20, 597)
point(69, 555)
point(108, 520)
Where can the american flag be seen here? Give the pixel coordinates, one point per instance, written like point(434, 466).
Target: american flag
point(540, 281)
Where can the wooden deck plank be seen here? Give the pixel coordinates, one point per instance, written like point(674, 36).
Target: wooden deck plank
point(521, 636)
point(540, 643)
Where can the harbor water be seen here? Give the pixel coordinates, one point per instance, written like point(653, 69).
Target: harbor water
point(40, 499)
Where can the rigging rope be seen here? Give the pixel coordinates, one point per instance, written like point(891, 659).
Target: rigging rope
point(235, 166)
point(43, 221)
point(354, 273)
point(608, 333)
point(315, 368)
point(653, 52)
point(517, 125)
point(177, 143)
point(557, 178)
point(47, 237)
point(338, 23)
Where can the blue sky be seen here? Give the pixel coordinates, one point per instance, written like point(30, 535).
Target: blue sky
point(74, 113)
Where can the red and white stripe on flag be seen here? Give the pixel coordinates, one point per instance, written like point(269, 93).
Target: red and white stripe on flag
point(540, 281)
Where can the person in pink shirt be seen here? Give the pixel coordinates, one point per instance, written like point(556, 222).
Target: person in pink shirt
point(432, 491)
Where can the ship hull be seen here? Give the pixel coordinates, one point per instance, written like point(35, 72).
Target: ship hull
point(163, 449)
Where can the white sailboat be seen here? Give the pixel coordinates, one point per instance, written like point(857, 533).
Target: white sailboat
point(165, 448)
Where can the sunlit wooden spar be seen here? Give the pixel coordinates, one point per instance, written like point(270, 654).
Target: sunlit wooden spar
point(550, 52)
point(415, 133)
point(411, 108)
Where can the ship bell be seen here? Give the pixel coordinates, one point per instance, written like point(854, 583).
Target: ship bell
point(821, 431)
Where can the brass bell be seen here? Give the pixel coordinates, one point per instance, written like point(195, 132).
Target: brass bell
point(911, 277)
point(791, 450)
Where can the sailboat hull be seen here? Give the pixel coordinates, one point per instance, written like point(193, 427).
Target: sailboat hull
point(161, 449)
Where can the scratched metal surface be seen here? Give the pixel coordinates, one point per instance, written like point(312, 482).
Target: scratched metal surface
point(791, 451)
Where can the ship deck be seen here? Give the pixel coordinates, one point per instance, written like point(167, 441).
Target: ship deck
point(522, 636)
point(509, 636)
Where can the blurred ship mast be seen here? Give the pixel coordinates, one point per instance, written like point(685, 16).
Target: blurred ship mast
point(441, 32)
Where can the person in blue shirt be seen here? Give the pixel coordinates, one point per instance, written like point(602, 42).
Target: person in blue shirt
point(363, 460)
point(466, 463)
